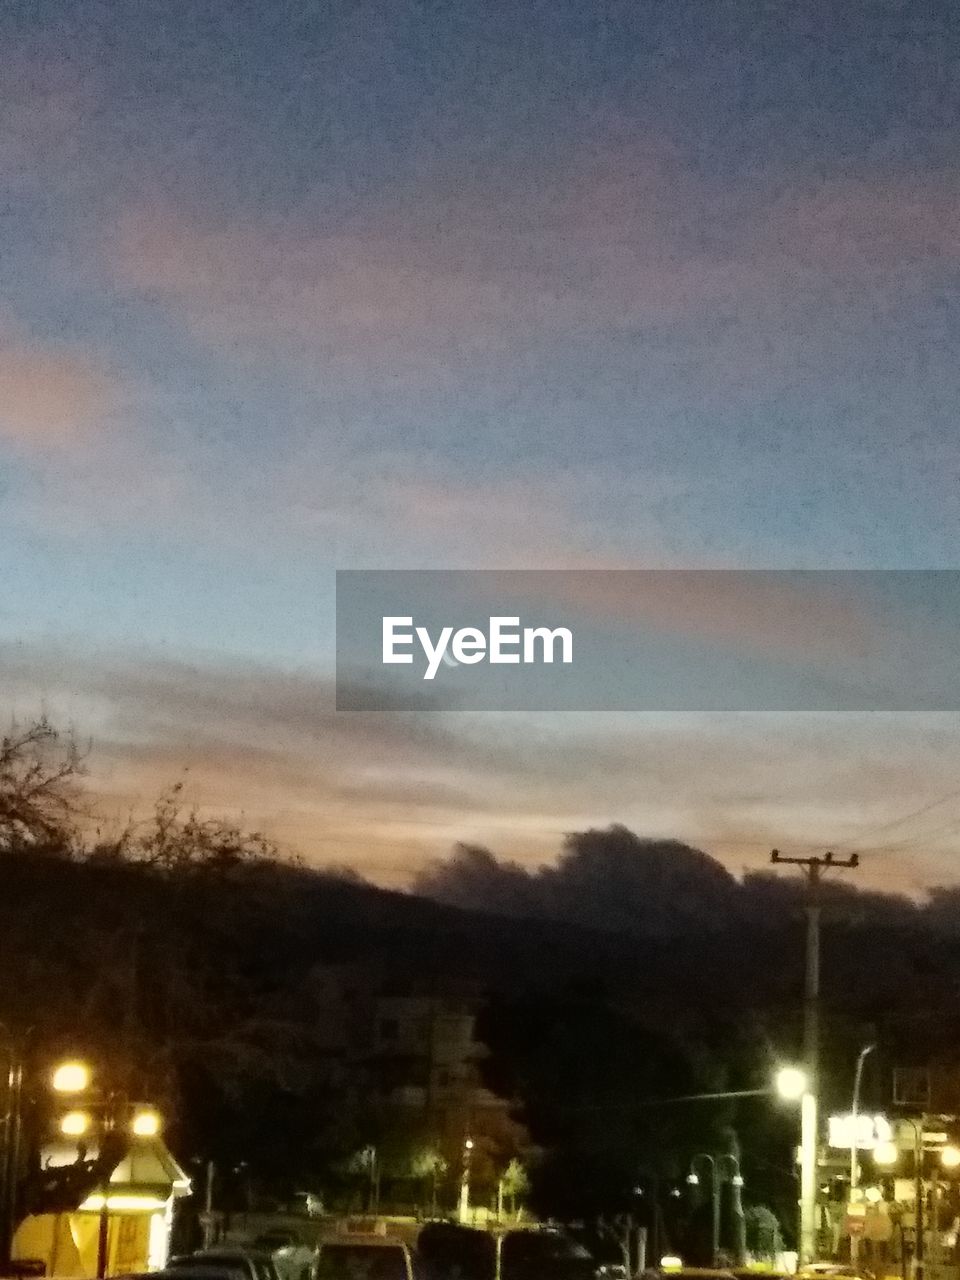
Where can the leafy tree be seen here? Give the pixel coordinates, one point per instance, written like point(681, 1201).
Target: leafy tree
point(763, 1232)
point(514, 1183)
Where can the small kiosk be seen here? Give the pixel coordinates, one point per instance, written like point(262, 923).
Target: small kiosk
point(136, 1214)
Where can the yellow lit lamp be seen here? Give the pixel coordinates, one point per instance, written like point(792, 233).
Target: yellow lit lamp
point(74, 1124)
point(71, 1077)
point(146, 1123)
point(886, 1154)
point(950, 1157)
point(791, 1083)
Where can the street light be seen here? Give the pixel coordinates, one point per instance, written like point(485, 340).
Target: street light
point(950, 1157)
point(75, 1124)
point(71, 1077)
point(791, 1083)
point(464, 1207)
point(886, 1153)
point(146, 1123)
point(854, 1139)
point(693, 1179)
point(717, 1164)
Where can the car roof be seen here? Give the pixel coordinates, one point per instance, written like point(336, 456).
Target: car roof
point(355, 1238)
point(183, 1273)
point(225, 1251)
point(360, 1238)
point(698, 1271)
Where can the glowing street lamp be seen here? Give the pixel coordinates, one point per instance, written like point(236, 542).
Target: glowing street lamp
point(75, 1124)
point(791, 1083)
point(71, 1077)
point(886, 1153)
point(464, 1207)
point(146, 1123)
point(950, 1157)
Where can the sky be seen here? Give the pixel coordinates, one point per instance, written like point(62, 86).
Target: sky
point(286, 288)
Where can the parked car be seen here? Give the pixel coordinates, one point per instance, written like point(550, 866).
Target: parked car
point(293, 1259)
point(832, 1270)
point(532, 1254)
point(689, 1273)
point(245, 1264)
point(183, 1273)
point(755, 1273)
point(364, 1257)
point(446, 1250)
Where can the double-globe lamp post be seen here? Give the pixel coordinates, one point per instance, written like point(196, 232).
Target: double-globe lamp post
point(792, 1084)
point(74, 1079)
point(66, 1079)
point(717, 1164)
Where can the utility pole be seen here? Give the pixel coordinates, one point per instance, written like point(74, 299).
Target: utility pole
point(813, 868)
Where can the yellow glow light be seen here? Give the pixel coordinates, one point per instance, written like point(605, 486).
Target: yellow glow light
point(886, 1153)
point(71, 1077)
point(950, 1157)
point(123, 1204)
point(791, 1083)
point(146, 1123)
point(74, 1124)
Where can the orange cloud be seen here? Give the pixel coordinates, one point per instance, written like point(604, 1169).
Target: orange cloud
point(387, 792)
point(50, 399)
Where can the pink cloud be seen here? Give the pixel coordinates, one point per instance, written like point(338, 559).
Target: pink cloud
point(351, 305)
point(51, 399)
point(417, 511)
point(406, 297)
point(854, 225)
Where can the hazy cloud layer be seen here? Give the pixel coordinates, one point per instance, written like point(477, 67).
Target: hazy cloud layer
point(388, 792)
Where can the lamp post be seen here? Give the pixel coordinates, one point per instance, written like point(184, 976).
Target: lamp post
point(67, 1079)
point(465, 1182)
point(693, 1179)
point(141, 1121)
point(854, 1140)
point(716, 1164)
point(949, 1162)
point(917, 1127)
point(739, 1222)
point(12, 1126)
point(114, 1110)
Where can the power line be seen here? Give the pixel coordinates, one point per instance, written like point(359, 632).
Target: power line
point(896, 822)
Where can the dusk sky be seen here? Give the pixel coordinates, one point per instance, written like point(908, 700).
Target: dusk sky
point(286, 288)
